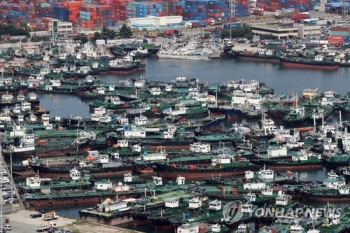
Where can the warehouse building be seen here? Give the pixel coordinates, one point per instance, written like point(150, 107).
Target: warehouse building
point(152, 22)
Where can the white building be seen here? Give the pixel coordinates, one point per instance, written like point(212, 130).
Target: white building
point(62, 27)
point(309, 31)
point(153, 21)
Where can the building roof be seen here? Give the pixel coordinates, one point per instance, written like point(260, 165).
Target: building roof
point(142, 25)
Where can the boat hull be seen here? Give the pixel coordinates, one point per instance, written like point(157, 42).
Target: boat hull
point(255, 58)
point(47, 172)
point(308, 65)
point(201, 57)
point(326, 198)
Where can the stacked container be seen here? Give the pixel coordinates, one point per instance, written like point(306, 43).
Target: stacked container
point(18, 13)
point(142, 9)
point(73, 10)
point(218, 10)
point(242, 9)
point(338, 34)
point(60, 13)
point(201, 10)
point(120, 6)
point(175, 7)
point(298, 5)
point(91, 16)
point(43, 10)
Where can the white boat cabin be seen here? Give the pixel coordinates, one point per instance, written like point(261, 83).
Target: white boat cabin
point(343, 190)
point(254, 185)
point(267, 192)
point(37, 182)
point(103, 185)
point(194, 203)
point(251, 197)
point(120, 187)
point(155, 91)
point(75, 174)
point(6, 98)
point(123, 143)
point(140, 83)
point(247, 208)
point(118, 206)
point(295, 228)
point(157, 180)
point(275, 152)
point(188, 228)
point(282, 199)
point(242, 228)
point(334, 181)
point(199, 147)
point(134, 132)
point(26, 106)
point(141, 120)
point(249, 175)
point(216, 228)
point(162, 155)
point(266, 174)
point(215, 205)
point(180, 180)
point(172, 203)
point(100, 110)
point(311, 93)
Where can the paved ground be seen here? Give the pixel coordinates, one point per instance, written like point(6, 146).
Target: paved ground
point(21, 222)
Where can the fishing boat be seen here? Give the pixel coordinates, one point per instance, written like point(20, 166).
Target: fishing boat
point(296, 116)
point(224, 164)
point(98, 165)
point(24, 144)
point(303, 159)
point(262, 55)
point(318, 62)
point(76, 180)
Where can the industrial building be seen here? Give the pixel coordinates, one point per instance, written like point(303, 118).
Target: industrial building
point(280, 31)
point(309, 31)
point(153, 22)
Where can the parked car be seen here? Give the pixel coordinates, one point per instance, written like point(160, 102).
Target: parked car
point(11, 201)
point(6, 187)
point(7, 227)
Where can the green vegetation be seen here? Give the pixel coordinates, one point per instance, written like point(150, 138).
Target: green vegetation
point(83, 38)
point(125, 31)
point(11, 29)
point(105, 34)
point(244, 31)
point(206, 35)
point(36, 38)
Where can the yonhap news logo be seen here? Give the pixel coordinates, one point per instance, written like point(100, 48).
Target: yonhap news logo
point(236, 211)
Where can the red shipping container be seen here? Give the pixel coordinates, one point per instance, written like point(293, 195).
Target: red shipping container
point(270, 9)
point(335, 39)
point(340, 29)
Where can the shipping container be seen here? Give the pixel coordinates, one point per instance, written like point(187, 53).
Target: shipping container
point(258, 11)
point(345, 29)
point(169, 32)
point(233, 25)
point(301, 16)
point(335, 39)
point(339, 33)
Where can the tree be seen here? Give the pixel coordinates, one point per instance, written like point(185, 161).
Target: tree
point(82, 37)
point(244, 31)
point(125, 31)
point(108, 33)
point(206, 35)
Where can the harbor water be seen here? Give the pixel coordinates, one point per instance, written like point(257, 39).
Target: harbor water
point(283, 81)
